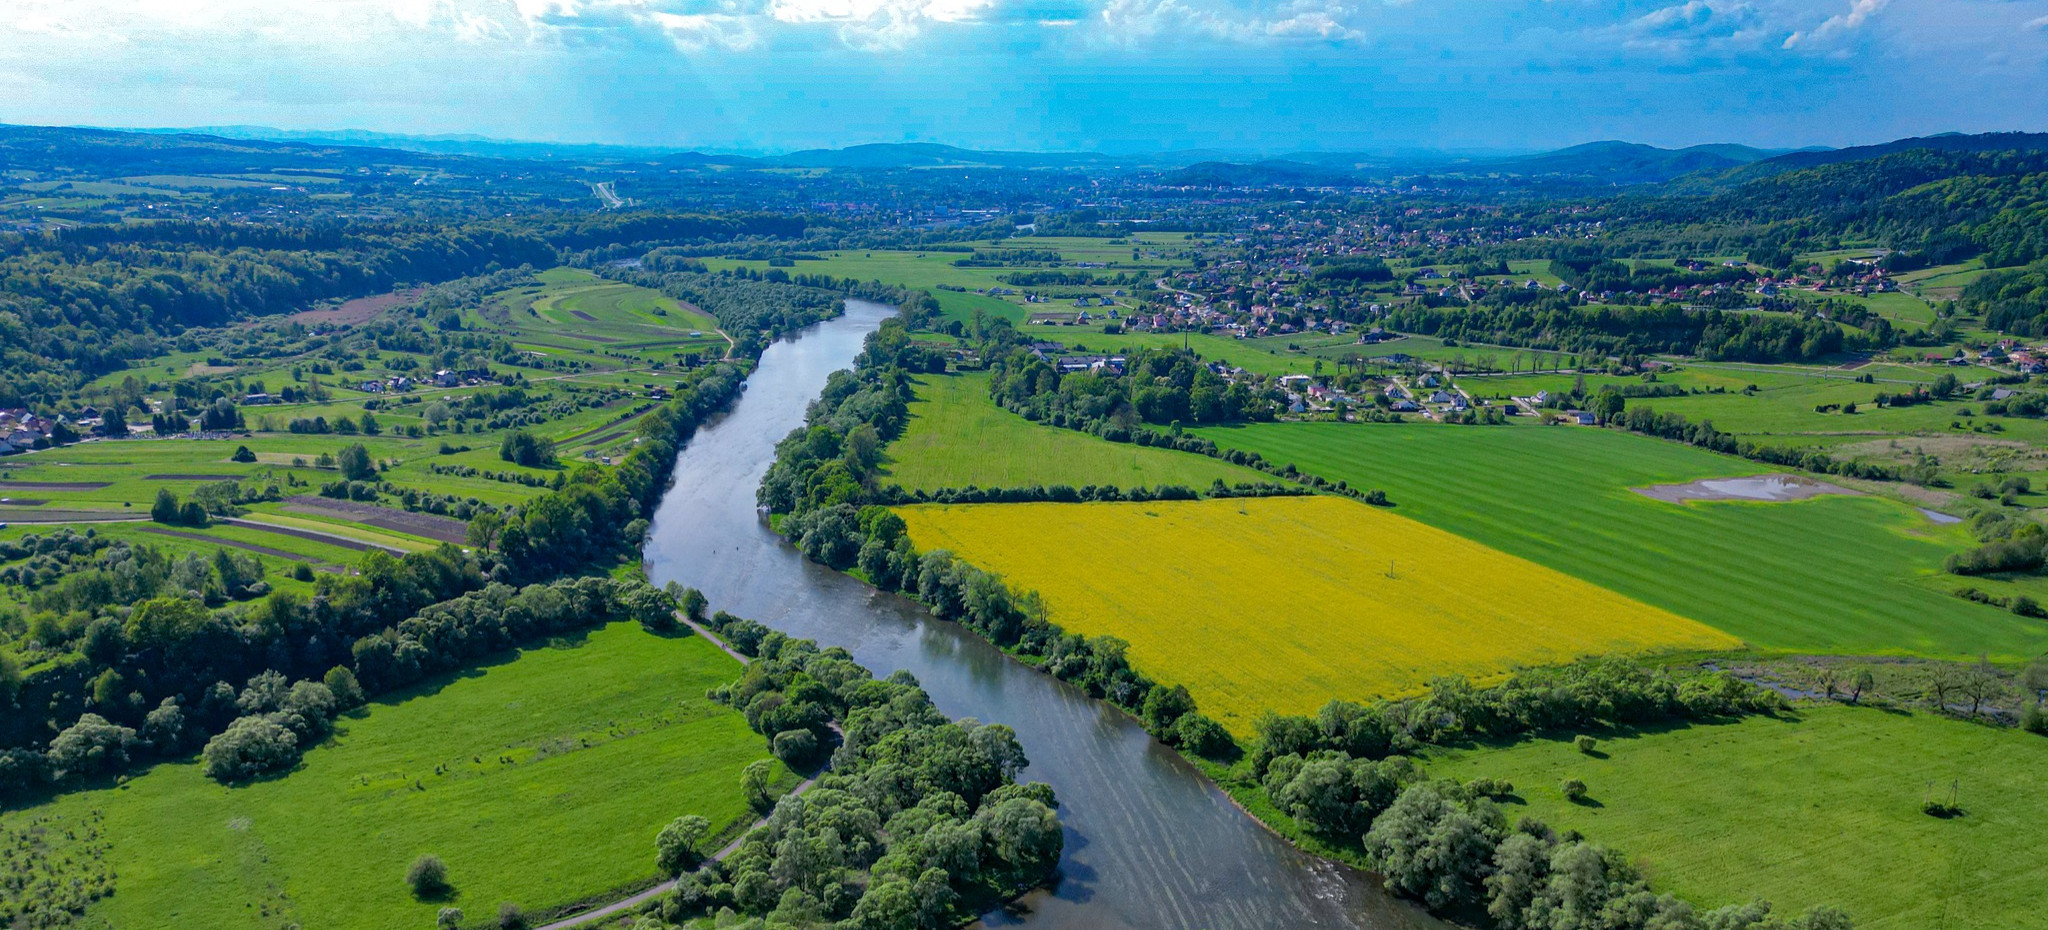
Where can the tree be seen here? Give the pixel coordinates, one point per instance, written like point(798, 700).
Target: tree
point(165, 508)
point(510, 917)
point(369, 424)
point(796, 748)
point(243, 455)
point(114, 423)
point(1573, 790)
point(483, 529)
point(2035, 679)
point(341, 682)
point(428, 877)
point(355, 463)
point(1828, 680)
point(694, 604)
point(1860, 681)
point(756, 783)
point(1164, 707)
point(1433, 848)
point(675, 848)
point(1982, 684)
point(523, 448)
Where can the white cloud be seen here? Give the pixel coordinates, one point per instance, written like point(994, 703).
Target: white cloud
point(1316, 20)
point(1695, 25)
point(1836, 27)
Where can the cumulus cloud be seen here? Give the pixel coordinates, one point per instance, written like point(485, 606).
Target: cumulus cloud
point(1835, 27)
point(1695, 25)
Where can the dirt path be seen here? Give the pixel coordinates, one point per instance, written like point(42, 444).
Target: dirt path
point(632, 901)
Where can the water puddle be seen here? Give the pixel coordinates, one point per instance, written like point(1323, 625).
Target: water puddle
point(1752, 488)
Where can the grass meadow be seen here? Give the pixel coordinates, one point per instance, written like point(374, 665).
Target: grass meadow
point(1282, 604)
point(1834, 574)
point(957, 436)
point(1822, 807)
point(593, 742)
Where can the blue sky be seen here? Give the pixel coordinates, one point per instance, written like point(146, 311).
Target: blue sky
point(1113, 75)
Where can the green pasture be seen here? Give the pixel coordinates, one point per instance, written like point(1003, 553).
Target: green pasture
point(1819, 807)
point(1832, 574)
point(957, 436)
point(540, 780)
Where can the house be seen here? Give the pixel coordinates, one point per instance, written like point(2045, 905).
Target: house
point(1581, 417)
point(1429, 381)
point(255, 400)
point(1541, 398)
point(1443, 397)
point(446, 378)
point(1404, 406)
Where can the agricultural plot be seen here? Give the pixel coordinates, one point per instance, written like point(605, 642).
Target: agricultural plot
point(958, 437)
point(612, 345)
point(1282, 604)
point(592, 742)
point(1836, 574)
point(1819, 808)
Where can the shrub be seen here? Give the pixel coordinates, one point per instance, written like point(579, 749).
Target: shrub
point(510, 917)
point(428, 877)
point(250, 746)
point(448, 919)
point(1202, 736)
point(1584, 743)
point(1574, 790)
point(796, 748)
point(2034, 720)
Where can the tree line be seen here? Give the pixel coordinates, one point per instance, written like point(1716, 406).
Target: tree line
point(919, 822)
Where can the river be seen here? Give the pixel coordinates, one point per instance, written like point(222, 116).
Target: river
point(1150, 842)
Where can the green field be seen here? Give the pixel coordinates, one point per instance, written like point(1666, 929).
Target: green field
point(540, 780)
point(1830, 574)
point(957, 436)
point(1821, 808)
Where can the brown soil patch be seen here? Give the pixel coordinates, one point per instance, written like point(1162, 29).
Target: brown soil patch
point(177, 476)
point(68, 516)
point(53, 485)
point(583, 316)
point(443, 529)
point(359, 310)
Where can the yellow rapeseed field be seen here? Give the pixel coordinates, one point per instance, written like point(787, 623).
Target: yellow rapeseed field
point(1284, 603)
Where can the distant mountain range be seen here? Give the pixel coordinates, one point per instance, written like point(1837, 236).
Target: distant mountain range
point(1598, 163)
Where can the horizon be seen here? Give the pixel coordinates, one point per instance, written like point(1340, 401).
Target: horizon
point(377, 138)
point(1112, 76)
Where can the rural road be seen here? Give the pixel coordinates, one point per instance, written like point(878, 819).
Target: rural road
point(628, 903)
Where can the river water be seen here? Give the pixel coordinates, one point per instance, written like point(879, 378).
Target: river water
point(1150, 842)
